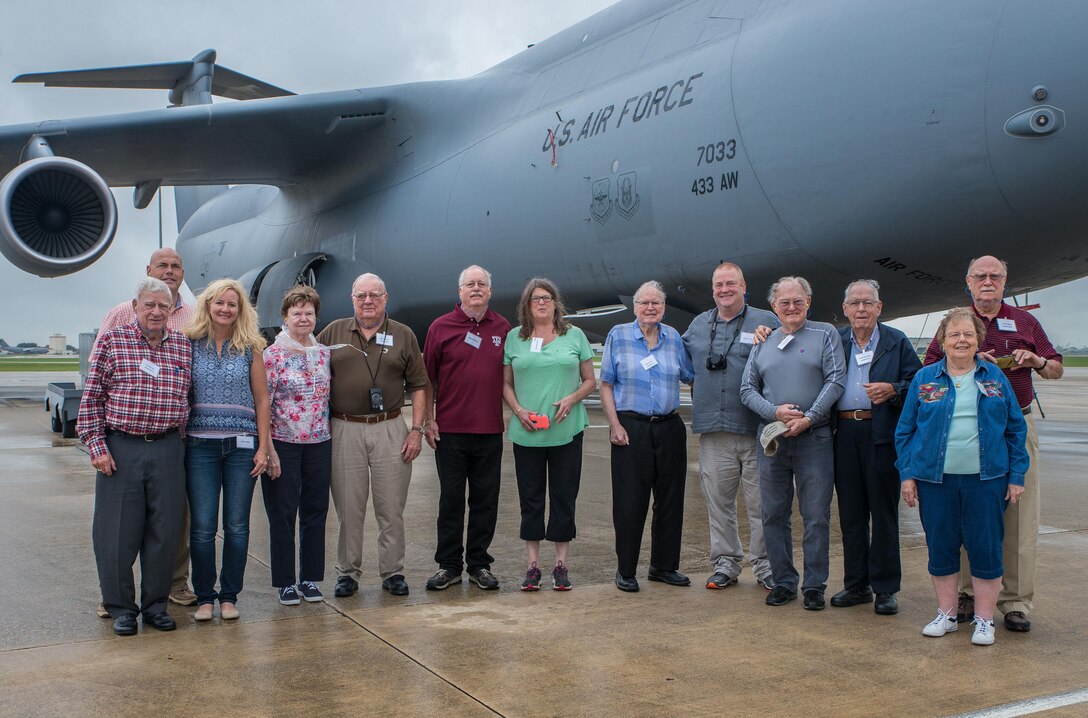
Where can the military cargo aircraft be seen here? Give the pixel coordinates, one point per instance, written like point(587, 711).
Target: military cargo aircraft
point(22, 351)
point(830, 138)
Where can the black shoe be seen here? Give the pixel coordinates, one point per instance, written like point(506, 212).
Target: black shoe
point(443, 579)
point(1017, 621)
point(852, 597)
point(814, 600)
point(345, 586)
point(780, 596)
point(673, 578)
point(160, 621)
point(396, 585)
point(483, 578)
point(630, 585)
point(719, 580)
point(125, 624)
point(886, 604)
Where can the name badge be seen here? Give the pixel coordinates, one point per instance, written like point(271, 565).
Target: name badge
point(245, 442)
point(747, 338)
point(536, 344)
point(385, 340)
point(1006, 325)
point(785, 342)
point(473, 340)
point(648, 363)
point(149, 367)
point(864, 358)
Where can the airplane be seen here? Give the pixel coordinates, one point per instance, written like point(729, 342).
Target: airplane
point(834, 139)
point(22, 351)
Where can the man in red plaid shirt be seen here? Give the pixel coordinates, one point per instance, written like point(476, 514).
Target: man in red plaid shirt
point(134, 403)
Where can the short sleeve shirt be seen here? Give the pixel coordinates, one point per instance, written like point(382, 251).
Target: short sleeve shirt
point(644, 380)
point(298, 387)
point(544, 377)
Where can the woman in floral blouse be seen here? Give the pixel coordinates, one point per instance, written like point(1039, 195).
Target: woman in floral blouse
point(298, 385)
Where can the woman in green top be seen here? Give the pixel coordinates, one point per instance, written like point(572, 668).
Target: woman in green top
point(548, 371)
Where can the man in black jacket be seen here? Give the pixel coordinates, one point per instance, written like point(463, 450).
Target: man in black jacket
point(880, 365)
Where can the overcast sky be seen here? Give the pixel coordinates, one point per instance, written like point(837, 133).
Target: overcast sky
point(304, 47)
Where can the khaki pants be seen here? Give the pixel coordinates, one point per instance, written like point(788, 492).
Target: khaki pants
point(366, 460)
point(1021, 538)
point(181, 561)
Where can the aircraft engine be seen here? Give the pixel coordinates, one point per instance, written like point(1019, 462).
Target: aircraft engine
point(57, 216)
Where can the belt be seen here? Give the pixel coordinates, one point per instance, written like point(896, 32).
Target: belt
point(652, 418)
point(856, 414)
point(145, 437)
point(366, 418)
point(1026, 409)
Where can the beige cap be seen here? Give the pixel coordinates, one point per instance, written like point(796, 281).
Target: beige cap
point(769, 437)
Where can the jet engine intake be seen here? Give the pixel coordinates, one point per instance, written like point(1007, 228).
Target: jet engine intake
point(57, 216)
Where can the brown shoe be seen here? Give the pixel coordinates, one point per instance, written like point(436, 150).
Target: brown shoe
point(965, 609)
point(183, 597)
point(1017, 621)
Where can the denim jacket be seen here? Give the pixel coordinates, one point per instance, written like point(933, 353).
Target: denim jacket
point(921, 437)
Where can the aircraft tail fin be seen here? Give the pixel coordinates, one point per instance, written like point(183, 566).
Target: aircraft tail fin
point(3, 344)
point(187, 200)
point(191, 82)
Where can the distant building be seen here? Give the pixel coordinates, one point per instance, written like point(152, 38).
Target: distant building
point(58, 343)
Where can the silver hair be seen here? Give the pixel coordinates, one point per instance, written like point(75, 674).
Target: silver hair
point(461, 276)
point(652, 284)
point(871, 283)
point(805, 287)
point(150, 285)
point(368, 275)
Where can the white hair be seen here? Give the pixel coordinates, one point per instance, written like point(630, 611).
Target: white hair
point(368, 276)
point(805, 287)
point(461, 276)
point(150, 285)
point(871, 283)
point(652, 284)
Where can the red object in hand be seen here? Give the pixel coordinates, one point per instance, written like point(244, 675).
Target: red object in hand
point(540, 421)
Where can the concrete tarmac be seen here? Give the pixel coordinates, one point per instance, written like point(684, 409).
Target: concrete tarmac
point(594, 651)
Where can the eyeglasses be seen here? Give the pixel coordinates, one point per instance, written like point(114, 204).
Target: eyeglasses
point(649, 303)
point(363, 296)
point(787, 303)
point(983, 276)
point(855, 303)
point(956, 336)
point(542, 299)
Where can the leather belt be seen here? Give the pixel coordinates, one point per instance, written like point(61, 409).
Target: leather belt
point(145, 437)
point(652, 418)
point(366, 418)
point(856, 414)
point(1026, 409)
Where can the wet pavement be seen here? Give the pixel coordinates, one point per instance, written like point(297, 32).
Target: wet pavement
point(593, 651)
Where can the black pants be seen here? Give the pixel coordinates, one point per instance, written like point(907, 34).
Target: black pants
point(475, 461)
point(139, 509)
point(554, 472)
point(867, 485)
point(655, 462)
point(302, 492)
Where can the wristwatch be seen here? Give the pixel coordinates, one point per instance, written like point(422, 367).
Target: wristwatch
point(420, 429)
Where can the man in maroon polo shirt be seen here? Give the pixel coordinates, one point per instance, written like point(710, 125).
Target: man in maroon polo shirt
point(463, 356)
point(1011, 332)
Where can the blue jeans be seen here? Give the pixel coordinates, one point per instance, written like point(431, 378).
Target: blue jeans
point(214, 467)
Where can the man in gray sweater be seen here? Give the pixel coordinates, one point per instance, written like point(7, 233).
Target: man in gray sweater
point(795, 377)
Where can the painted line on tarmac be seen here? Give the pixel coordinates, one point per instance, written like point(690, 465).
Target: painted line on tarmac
point(1032, 705)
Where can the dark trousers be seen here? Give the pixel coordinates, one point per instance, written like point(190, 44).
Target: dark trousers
point(867, 485)
point(301, 492)
point(552, 472)
point(475, 461)
point(655, 462)
point(139, 510)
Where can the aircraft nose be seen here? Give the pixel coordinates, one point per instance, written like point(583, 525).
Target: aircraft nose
point(1037, 115)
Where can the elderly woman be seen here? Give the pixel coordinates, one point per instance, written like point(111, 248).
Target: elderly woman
point(298, 388)
point(227, 443)
point(880, 362)
point(547, 372)
point(792, 380)
point(641, 370)
point(961, 451)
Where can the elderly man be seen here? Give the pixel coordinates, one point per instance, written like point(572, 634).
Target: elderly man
point(463, 355)
point(135, 400)
point(880, 363)
point(375, 361)
point(795, 377)
point(165, 264)
point(719, 342)
point(1017, 343)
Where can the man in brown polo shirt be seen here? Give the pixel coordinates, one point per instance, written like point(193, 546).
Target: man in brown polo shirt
point(375, 360)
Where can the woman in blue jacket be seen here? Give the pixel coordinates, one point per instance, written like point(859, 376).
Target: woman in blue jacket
point(960, 442)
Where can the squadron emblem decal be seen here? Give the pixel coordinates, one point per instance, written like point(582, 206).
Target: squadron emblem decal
point(601, 206)
point(627, 204)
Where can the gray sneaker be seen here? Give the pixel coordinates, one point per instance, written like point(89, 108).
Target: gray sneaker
point(484, 579)
point(443, 579)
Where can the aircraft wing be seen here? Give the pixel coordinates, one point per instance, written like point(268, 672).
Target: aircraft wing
point(277, 141)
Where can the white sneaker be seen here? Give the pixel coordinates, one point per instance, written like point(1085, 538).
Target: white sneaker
point(942, 624)
point(984, 632)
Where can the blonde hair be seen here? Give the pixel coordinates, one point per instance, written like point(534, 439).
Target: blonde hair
point(246, 334)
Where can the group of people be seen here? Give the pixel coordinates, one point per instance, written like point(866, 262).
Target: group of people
point(781, 405)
